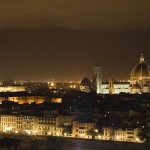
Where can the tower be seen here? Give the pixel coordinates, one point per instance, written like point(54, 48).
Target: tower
point(111, 86)
point(98, 79)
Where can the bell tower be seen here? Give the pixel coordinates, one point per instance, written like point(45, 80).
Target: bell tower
point(98, 78)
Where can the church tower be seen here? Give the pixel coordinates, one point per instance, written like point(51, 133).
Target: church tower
point(98, 79)
point(111, 86)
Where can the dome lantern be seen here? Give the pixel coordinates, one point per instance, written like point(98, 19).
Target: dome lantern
point(142, 59)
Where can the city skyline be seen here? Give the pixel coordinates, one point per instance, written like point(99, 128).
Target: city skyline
point(64, 40)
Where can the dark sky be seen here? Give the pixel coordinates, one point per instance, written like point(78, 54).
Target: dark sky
point(64, 39)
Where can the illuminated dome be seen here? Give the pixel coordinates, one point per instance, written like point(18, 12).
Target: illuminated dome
point(141, 71)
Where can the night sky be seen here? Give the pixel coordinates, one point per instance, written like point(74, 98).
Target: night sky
point(64, 39)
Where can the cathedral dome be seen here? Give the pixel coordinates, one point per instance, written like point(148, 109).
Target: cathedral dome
point(86, 82)
point(141, 71)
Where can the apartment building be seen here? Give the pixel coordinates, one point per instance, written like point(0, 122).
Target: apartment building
point(35, 125)
point(126, 135)
point(80, 129)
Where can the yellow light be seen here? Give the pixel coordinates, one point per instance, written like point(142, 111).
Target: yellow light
point(137, 139)
point(16, 131)
point(99, 137)
point(82, 135)
point(117, 137)
point(7, 129)
point(65, 134)
point(58, 134)
point(52, 84)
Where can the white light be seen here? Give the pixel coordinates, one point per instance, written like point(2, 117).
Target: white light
point(58, 134)
point(7, 129)
point(65, 134)
point(137, 139)
point(16, 131)
point(82, 135)
point(99, 137)
point(52, 84)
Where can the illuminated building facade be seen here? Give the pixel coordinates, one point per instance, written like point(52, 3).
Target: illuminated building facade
point(27, 99)
point(35, 125)
point(49, 126)
point(129, 135)
point(56, 126)
point(80, 129)
point(126, 135)
point(111, 86)
point(8, 123)
point(107, 133)
point(15, 88)
point(139, 81)
point(115, 87)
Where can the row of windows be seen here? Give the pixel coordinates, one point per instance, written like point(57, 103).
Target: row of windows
point(26, 98)
point(120, 133)
point(48, 122)
point(8, 124)
point(45, 133)
point(84, 124)
point(83, 127)
point(123, 133)
point(3, 118)
point(41, 118)
point(19, 122)
point(19, 126)
point(131, 132)
point(49, 128)
point(130, 137)
point(12, 129)
point(80, 131)
point(8, 119)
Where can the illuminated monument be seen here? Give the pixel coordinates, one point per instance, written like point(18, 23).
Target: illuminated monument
point(97, 81)
point(140, 77)
point(108, 87)
point(139, 81)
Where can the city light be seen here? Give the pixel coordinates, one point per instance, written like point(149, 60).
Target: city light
point(75, 75)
